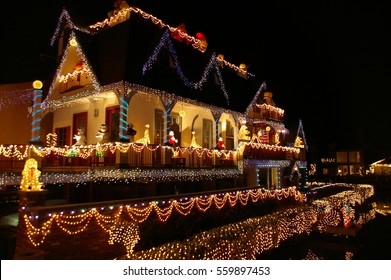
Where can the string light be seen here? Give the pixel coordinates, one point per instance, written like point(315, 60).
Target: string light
point(165, 42)
point(75, 222)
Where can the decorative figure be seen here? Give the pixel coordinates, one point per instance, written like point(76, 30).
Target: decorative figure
point(80, 137)
point(193, 143)
point(299, 142)
point(263, 136)
point(220, 60)
point(277, 137)
point(103, 135)
point(244, 133)
point(130, 132)
point(171, 139)
point(180, 33)
point(203, 44)
point(220, 144)
point(242, 72)
point(145, 140)
point(30, 176)
point(119, 5)
point(175, 129)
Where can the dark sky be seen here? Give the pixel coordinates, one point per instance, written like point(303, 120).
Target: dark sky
point(327, 62)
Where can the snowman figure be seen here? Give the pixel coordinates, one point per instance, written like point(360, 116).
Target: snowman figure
point(103, 135)
point(80, 137)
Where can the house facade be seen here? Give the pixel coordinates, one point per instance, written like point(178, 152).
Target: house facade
point(188, 107)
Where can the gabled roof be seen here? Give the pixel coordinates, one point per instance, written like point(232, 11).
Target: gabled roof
point(138, 51)
point(384, 161)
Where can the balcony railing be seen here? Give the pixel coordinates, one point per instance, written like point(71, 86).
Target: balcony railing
point(145, 156)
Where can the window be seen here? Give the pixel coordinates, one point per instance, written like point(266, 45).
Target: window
point(176, 126)
point(229, 141)
point(354, 157)
point(342, 157)
point(112, 121)
point(207, 134)
point(79, 122)
point(63, 136)
point(159, 127)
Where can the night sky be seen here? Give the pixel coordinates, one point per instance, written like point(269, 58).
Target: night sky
point(326, 63)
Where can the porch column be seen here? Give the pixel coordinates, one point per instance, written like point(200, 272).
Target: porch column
point(216, 116)
point(36, 114)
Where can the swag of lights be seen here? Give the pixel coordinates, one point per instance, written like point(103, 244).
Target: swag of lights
point(21, 152)
point(68, 23)
point(271, 108)
point(77, 221)
point(165, 41)
point(246, 239)
point(73, 75)
point(123, 15)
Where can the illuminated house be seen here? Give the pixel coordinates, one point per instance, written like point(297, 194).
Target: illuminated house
point(191, 108)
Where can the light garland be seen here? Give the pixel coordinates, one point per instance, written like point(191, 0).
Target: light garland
point(165, 41)
point(244, 240)
point(271, 108)
point(300, 133)
point(74, 223)
point(68, 24)
point(124, 14)
point(256, 97)
point(73, 75)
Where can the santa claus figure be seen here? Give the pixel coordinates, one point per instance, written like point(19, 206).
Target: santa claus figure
point(220, 144)
point(203, 44)
point(103, 135)
point(180, 33)
point(80, 137)
point(171, 139)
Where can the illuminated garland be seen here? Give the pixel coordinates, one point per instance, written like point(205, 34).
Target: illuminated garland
point(68, 23)
point(256, 97)
point(90, 150)
point(165, 41)
point(75, 223)
point(122, 14)
point(271, 108)
point(300, 132)
point(15, 151)
point(222, 61)
point(72, 75)
point(242, 240)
